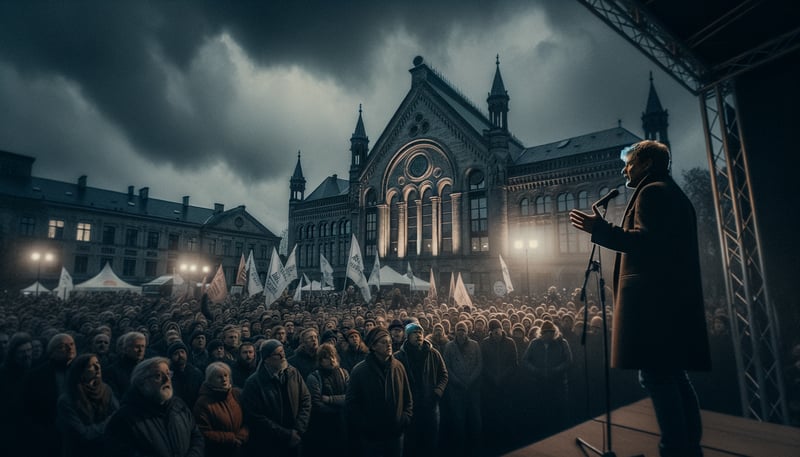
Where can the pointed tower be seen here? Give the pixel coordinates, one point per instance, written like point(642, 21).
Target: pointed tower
point(498, 101)
point(359, 145)
point(297, 184)
point(655, 118)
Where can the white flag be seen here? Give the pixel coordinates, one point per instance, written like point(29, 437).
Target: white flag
point(253, 280)
point(375, 275)
point(410, 275)
point(218, 288)
point(241, 273)
point(432, 292)
point(506, 276)
point(276, 282)
point(65, 285)
point(461, 295)
point(355, 269)
point(452, 287)
point(327, 271)
point(307, 281)
point(290, 269)
point(298, 292)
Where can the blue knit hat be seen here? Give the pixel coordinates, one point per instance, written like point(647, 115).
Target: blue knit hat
point(268, 347)
point(413, 327)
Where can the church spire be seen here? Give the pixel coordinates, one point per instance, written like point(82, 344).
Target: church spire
point(655, 117)
point(359, 145)
point(498, 100)
point(297, 184)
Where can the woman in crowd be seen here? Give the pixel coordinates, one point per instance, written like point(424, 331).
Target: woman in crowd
point(219, 414)
point(85, 407)
point(327, 385)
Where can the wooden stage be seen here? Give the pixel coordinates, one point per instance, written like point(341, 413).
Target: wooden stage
point(635, 432)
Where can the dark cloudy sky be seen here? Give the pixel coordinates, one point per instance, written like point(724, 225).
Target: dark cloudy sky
point(213, 99)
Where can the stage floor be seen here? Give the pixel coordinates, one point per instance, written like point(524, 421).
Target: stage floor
point(635, 432)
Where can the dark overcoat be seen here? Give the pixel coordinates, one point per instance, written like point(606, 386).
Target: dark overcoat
point(659, 320)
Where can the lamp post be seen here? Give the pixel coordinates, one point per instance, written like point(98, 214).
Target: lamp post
point(531, 244)
point(191, 270)
point(38, 257)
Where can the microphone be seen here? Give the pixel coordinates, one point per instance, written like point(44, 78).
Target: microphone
point(603, 202)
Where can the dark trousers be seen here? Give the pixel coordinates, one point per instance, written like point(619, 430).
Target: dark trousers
point(389, 447)
point(677, 411)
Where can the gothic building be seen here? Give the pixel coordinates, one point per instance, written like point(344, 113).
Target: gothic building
point(84, 228)
point(446, 186)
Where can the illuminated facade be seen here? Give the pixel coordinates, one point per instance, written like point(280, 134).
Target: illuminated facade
point(447, 186)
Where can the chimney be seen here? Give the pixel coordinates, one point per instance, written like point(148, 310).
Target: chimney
point(130, 191)
point(82, 182)
point(185, 202)
point(218, 208)
point(144, 193)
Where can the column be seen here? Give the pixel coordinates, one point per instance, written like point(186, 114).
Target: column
point(383, 229)
point(455, 199)
point(418, 204)
point(435, 229)
point(402, 229)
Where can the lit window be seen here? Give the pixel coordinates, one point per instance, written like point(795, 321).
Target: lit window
point(55, 229)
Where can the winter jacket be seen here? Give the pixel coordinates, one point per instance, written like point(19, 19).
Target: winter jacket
point(220, 419)
point(428, 389)
point(378, 400)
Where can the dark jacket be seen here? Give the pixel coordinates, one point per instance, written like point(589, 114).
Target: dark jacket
point(143, 428)
point(82, 437)
point(268, 417)
point(118, 375)
point(428, 378)
point(378, 399)
point(186, 384)
point(221, 421)
point(659, 319)
point(40, 393)
point(548, 362)
point(499, 360)
point(303, 362)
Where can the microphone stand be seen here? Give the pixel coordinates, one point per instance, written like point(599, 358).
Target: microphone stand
point(594, 265)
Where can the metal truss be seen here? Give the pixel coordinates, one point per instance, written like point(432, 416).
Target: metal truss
point(753, 319)
point(754, 323)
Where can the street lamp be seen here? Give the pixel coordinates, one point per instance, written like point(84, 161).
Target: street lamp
point(531, 244)
point(38, 257)
point(191, 270)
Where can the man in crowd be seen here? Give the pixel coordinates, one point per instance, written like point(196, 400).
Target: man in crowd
point(276, 404)
point(427, 377)
point(151, 420)
point(397, 332)
point(198, 354)
point(462, 411)
point(499, 354)
point(378, 400)
point(245, 365)
point(118, 375)
point(305, 356)
point(231, 337)
point(355, 351)
point(186, 378)
point(657, 289)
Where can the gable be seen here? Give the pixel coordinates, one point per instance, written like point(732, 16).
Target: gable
point(237, 220)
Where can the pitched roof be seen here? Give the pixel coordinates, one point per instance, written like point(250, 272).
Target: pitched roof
point(332, 186)
point(360, 131)
point(653, 103)
point(595, 141)
point(498, 88)
point(298, 170)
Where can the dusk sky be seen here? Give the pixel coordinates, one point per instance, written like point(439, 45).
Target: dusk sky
point(214, 99)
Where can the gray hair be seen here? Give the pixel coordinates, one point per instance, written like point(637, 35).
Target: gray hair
point(216, 367)
point(56, 339)
point(129, 338)
point(143, 368)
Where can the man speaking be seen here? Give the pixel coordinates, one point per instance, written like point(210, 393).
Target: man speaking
point(659, 323)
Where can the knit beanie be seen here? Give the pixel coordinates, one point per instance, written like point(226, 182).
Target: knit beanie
point(412, 327)
point(175, 346)
point(268, 347)
point(374, 335)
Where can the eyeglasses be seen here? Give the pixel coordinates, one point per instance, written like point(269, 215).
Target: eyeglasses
point(161, 376)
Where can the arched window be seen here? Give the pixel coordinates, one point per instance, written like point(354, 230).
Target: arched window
point(412, 223)
point(323, 226)
point(544, 204)
point(565, 202)
point(583, 199)
point(477, 180)
point(446, 245)
point(310, 231)
point(299, 234)
point(524, 207)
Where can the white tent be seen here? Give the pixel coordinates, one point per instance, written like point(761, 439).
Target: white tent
point(107, 281)
point(315, 285)
point(390, 277)
point(32, 289)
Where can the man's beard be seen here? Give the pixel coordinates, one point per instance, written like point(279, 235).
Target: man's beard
point(165, 393)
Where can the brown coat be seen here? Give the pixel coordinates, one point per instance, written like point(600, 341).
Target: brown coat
point(659, 319)
point(219, 417)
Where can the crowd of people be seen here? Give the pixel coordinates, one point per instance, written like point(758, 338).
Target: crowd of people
point(122, 374)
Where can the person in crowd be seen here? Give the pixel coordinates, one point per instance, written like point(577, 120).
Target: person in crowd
point(43, 385)
point(327, 384)
point(216, 351)
point(231, 338)
point(461, 414)
point(521, 341)
point(85, 408)
point(13, 373)
point(657, 250)
point(397, 332)
point(279, 333)
point(101, 347)
point(198, 354)
point(151, 419)
point(219, 414)
point(355, 351)
point(186, 378)
point(499, 354)
point(277, 405)
point(305, 356)
point(245, 364)
point(427, 376)
point(439, 337)
point(548, 359)
point(378, 399)
point(134, 345)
